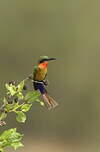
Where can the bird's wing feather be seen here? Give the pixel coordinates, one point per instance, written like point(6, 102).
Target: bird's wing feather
point(35, 71)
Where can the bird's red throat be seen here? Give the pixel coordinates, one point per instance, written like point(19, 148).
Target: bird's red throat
point(43, 65)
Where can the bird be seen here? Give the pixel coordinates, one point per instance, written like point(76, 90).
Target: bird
point(40, 82)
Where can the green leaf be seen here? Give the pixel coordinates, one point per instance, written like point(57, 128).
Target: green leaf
point(20, 96)
point(1, 150)
point(41, 102)
point(8, 107)
point(21, 117)
point(17, 145)
point(12, 107)
point(10, 138)
point(20, 86)
point(5, 101)
point(11, 89)
point(32, 96)
point(6, 134)
point(16, 106)
point(3, 115)
point(26, 107)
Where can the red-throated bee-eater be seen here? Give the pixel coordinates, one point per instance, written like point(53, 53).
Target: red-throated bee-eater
point(39, 75)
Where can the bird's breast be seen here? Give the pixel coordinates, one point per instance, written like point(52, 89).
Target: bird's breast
point(41, 74)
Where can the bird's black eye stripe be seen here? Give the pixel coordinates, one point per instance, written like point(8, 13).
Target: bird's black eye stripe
point(43, 60)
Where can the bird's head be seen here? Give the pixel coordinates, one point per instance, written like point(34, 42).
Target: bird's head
point(43, 61)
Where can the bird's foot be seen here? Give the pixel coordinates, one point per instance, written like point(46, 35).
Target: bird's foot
point(46, 82)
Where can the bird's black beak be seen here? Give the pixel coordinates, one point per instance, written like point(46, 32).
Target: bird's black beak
point(50, 59)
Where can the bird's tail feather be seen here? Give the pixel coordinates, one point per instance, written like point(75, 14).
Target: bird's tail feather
point(51, 103)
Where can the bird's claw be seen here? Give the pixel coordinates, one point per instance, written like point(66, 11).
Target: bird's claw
point(46, 82)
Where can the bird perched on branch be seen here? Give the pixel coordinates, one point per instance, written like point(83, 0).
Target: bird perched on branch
point(40, 82)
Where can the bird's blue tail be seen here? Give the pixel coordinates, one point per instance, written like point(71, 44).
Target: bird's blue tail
point(51, 103)
point(40, 86)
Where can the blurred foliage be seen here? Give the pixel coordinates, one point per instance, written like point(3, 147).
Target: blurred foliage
point(18, 99)
point(10, 138)
point(70, 31)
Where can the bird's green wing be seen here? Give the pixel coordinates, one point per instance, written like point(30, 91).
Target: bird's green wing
point(35, 71)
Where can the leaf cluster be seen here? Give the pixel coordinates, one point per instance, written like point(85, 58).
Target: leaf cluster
point(18, 99)
point(10, 138)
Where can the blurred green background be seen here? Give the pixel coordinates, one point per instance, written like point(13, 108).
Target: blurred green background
point(70, 31)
